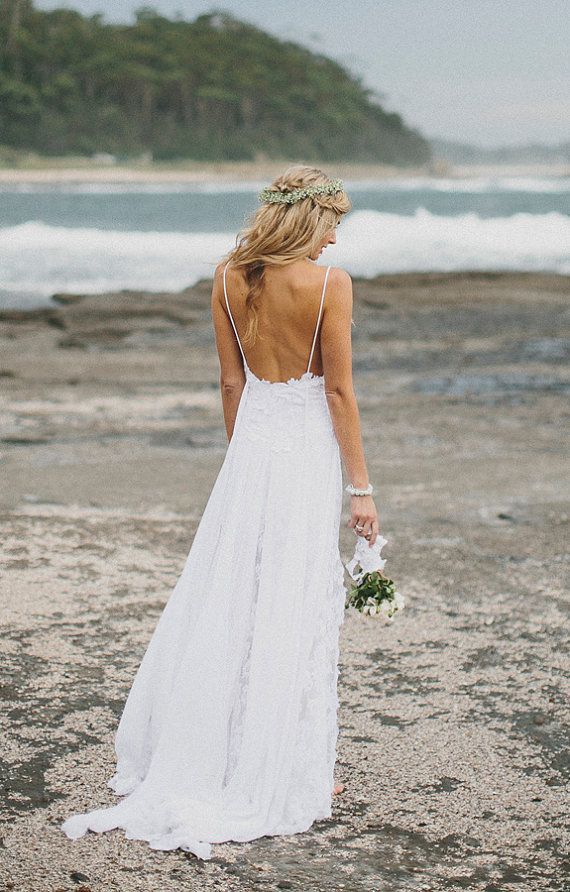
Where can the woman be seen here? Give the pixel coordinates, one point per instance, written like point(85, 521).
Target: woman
point(229, 731)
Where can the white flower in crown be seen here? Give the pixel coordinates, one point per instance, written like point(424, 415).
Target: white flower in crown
point(290, 196)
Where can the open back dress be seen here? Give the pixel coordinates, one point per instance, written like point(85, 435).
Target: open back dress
point(229, 731)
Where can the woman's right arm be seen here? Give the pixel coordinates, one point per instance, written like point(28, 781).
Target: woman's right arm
point(336, 353)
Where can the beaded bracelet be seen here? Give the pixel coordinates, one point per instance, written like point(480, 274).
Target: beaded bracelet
point(359, 492)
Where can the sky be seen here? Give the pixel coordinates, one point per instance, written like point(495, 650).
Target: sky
point(487, 72)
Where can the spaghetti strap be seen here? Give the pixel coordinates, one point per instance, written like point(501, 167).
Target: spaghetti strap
point(232, 319)
point(318, 318)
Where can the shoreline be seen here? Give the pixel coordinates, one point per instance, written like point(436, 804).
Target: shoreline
point(84, 170)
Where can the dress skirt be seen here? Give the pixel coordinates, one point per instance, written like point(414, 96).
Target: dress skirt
point(229, 730)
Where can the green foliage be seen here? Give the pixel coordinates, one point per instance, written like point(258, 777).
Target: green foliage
point(375, 594)
point(212, 89)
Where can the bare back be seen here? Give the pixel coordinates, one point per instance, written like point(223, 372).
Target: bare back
point(289, 310)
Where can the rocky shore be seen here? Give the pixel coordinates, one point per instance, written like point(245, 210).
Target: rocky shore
point(454, 720)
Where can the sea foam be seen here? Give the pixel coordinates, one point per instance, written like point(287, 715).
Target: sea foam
point(38, 259)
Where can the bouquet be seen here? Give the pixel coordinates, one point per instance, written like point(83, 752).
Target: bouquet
point(372, 593)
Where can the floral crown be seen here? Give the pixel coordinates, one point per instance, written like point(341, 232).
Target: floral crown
point(274, 196)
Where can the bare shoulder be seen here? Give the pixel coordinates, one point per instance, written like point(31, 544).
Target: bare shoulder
point(339, 289)
point(219, 272)
point(340, 278)
point(217, 297)
point(218, 283)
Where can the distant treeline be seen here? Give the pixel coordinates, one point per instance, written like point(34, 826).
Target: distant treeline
point(212, 89)
point(529, 153)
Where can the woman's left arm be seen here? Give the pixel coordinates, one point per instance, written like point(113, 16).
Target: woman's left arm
point(232, 374)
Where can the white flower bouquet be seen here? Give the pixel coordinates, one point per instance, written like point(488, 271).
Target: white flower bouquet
point(372, 593)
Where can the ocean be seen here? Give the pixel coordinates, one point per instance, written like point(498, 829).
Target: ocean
point(93, 237)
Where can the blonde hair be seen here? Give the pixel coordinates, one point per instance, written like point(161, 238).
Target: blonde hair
point(279, 233)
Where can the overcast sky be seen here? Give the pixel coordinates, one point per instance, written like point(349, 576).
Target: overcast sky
point(488, 72)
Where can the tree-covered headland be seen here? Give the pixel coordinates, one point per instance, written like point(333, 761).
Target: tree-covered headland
point(215, 88)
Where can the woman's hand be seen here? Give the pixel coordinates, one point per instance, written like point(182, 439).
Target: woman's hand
point(364, 517)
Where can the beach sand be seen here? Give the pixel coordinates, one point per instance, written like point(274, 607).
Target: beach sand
point(43, 171)
point(453, 720)
point(57, 171)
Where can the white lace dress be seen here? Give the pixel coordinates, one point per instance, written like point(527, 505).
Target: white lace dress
point(229, 731)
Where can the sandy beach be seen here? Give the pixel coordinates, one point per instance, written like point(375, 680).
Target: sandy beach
point(64, 170)
point(69, 170)
point(453, 721)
